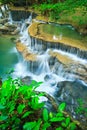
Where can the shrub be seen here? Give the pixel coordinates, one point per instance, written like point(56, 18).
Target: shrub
point(20, 109)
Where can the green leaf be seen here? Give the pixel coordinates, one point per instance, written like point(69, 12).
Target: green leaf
point(62, 107)
point(67, 121)
point(2, 107)
point(27, 114)
point(51, 115)
point(20, 108)
point(59, 114)
point(45, 126)
point(35, 84)
point(17, 121)
point(57, 119)
point(59, 128)
point(29, 125)
point(3, 100)
point(3, 118)
point(45, 114)
point(64, 124)
point(35, 103)
point(72, 126)
point(37, 127)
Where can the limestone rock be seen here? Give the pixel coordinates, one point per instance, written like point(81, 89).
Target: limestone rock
point(3, 21)
point(28, 56)
point(4, 29)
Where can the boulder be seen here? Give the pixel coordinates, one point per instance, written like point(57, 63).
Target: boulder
point(27, 80)
point(77, 89)
point(74, 94)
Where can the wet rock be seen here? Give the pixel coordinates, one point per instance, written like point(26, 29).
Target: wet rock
point(16, 31)
point(47, 77)
point(28, 56)
point(13, 39)
point(74, 93)
point(11, 26)
point(1, 25)
point(51, 79)
point(20, 47)
point(4, 29)
point(27, 80)
point(75, 88)
point(3, 21)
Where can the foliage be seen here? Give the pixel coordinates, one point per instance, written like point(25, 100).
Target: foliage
point(81, 107)
point(17, 103)
point(58, 10)
point(20, 109)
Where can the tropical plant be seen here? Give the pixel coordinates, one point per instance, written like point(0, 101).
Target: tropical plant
point(17, 103)
point(20, 108)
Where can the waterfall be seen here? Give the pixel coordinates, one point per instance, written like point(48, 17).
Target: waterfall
point(72, 56)
point(10, 18)
point(46, 68)
point(0, 14)
point(43, 64)
point(21, 69)
point(29, 20)
point(23, 28)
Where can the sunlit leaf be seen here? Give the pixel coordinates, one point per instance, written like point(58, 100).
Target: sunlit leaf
point(72, 126)
point(2, 107)
point(62, 106)
point(57, 119)
point(45, 126)
point(59, 114)
point(45, 114)
point(27, 114)
point(51, 115)
point(37, 126)
point(67, 121)
point(29, 125)
point(59, 128)
point(3, 118)
point(20, 108)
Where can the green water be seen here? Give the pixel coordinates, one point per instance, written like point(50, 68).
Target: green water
point(8, 55)
point(64, 30)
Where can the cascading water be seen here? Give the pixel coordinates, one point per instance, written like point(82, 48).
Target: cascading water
point(36, 46)
point(10, 18)
point(47, 67)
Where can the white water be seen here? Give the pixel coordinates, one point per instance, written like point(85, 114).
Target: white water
point(0, 14)
point(72, 56)
point(10, 18)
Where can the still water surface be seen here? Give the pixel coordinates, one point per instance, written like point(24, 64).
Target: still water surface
point(8, 55)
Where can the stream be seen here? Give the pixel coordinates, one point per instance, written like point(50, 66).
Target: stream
point(64, 74)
